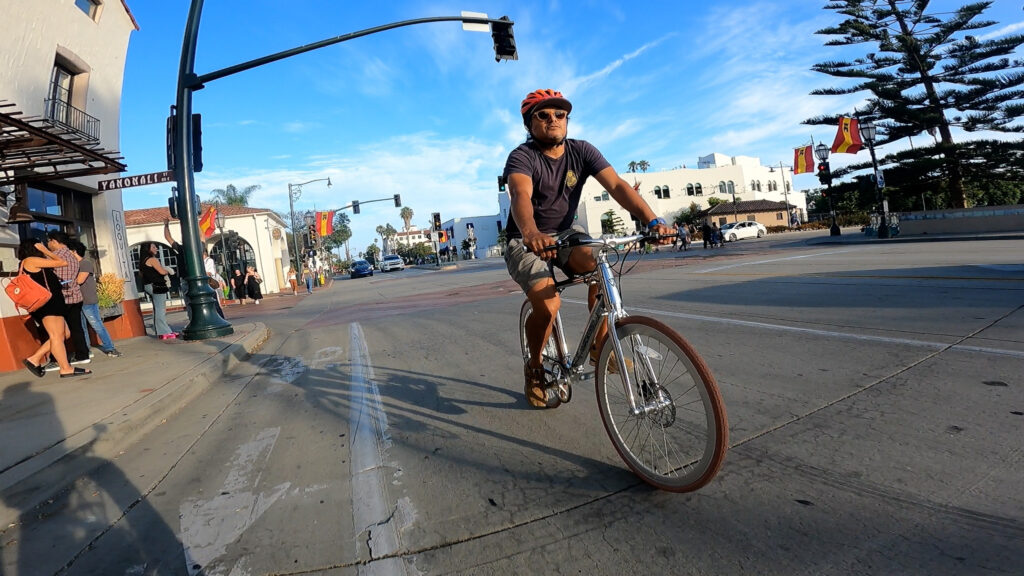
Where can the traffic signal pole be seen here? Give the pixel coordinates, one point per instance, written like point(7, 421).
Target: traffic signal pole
point(206, 322)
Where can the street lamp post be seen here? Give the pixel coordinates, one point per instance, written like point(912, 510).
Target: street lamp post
point(821, 151)
point(223, 250)
point(205, 322)
point(294, 192)
point(868, 132)
point(785, 190)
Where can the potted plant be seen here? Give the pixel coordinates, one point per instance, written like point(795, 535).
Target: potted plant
point(110, 294)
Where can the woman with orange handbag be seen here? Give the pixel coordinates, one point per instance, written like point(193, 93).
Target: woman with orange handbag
point(39, 262)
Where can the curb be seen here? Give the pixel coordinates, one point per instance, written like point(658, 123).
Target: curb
point(860, 239)
point(33, 481)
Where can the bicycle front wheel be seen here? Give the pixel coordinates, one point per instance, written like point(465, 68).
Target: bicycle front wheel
point(676, 436)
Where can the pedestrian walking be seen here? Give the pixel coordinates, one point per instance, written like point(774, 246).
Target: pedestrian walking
point(57, 242)
point(179, 259)
point(252, 284)
point(293, 281)
point(238, 284)
point(307, 277)
point(91, 302)
point(154, 283)
point(39, 262)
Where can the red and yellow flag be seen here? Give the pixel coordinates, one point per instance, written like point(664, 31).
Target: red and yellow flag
point(848, 137)
point(325, 223)
point(208, 222)
point(803, 160)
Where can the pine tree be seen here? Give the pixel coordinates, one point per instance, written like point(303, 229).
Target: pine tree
point(928, 74)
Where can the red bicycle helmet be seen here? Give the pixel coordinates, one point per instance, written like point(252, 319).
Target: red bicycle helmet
point(547, 97)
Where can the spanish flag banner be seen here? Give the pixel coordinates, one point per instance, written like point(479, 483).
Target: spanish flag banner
point(325, 223)
point(208, 222)
point(803, 160)
point(848, 137)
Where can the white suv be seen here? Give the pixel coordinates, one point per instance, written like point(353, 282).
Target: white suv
point(392, 262)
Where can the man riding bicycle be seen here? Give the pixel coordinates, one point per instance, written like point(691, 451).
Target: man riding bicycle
point(545, 177)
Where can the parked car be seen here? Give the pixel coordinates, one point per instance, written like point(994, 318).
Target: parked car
point(392, 262)
point(734, 231)
point(360, 268)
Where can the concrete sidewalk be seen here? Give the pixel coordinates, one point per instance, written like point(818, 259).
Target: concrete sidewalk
point(47, 424)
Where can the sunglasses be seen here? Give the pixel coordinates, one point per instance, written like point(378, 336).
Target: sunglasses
point(545, 116)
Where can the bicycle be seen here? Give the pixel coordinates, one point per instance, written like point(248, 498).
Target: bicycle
point(658, 401)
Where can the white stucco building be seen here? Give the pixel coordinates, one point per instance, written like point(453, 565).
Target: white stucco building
point(669, 191)
point(251, 237)
point(60, 95)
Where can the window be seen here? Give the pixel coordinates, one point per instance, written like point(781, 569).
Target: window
point(597, 198)
point(90, 7)
point(757, 186)
point(778, 215)
point(751, 218)
point(700, 191)
point(664, 192)
point(721, 187)
point(731, 187)
point(657, 191)
point(689, 190)
point(58, 104)
point(604, 196)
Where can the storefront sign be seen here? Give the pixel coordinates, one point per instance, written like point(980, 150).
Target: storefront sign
point(140, 180)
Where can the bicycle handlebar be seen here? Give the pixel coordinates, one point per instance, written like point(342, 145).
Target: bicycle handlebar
point(575, 241)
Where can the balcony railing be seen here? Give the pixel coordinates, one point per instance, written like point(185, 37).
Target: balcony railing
point(66, 115)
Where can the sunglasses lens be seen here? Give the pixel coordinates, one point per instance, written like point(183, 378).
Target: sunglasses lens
point(544, 115)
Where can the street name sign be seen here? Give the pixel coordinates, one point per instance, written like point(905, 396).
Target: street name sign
point(140, 180)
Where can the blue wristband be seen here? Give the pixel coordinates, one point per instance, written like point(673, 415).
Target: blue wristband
point(657, 221)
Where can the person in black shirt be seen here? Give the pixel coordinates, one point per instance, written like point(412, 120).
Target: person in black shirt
point(545, 178)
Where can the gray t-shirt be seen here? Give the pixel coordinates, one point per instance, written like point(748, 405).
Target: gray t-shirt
point(557, 183)
point(89, 286)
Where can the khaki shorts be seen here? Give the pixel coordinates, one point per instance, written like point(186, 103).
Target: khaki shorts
point(527, 269)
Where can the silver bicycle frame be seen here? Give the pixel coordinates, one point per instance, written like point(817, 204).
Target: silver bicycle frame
point(609, 304)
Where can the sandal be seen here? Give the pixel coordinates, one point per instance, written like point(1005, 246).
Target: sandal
point(538, 392)
point(77, 372)
point(37, 370)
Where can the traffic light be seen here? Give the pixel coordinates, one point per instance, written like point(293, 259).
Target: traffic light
point(312, 234)
point(437, 220)
point(824, 173)
point(355, 206)
point(501, 183)
point(398, 200)
point(504, 40)
point(442, 236)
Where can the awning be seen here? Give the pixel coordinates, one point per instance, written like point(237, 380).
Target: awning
point(34, 149)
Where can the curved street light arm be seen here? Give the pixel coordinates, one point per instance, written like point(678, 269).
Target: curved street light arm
point(197, 82)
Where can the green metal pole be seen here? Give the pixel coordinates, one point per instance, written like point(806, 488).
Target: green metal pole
point(206, 322)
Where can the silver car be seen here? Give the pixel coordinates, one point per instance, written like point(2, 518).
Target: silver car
point(734, 231)
point(392, 262)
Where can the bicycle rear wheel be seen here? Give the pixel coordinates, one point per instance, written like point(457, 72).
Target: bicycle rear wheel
point(677, 438)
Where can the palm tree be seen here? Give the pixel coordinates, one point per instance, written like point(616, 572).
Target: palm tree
point(233, 196)
point(643, 165)
point(631, 167)
point(406, 215)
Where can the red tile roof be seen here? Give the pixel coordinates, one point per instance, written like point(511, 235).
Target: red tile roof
point(149, 216)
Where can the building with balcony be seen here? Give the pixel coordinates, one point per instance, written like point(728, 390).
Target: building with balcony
point(60, 92)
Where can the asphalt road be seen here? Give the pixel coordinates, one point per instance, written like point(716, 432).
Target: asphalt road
point(876, 406)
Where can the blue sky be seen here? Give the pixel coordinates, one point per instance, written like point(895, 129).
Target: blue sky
point(426, 112)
